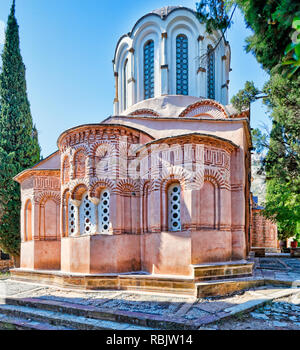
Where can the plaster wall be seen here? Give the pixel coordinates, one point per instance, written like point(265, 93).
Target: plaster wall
point(44, 255)
point(160, 128)
point(101, 254)
point(167, 253)
point(211, 246)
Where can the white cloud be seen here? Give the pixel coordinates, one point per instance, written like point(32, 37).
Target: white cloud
point(2, 32)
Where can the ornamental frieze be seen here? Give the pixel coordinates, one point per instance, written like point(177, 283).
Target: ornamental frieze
point(105, 133)
point(45, 183)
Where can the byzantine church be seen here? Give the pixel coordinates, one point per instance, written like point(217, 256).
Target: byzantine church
point(162, 186)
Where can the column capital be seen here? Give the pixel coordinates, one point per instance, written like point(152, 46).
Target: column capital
point(75, 202)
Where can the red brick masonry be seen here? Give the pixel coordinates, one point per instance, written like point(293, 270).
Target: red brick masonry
point(263, 231)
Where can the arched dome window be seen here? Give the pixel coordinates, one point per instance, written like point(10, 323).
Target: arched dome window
point(182, 65)
point(125, 84)
point(149, 69)
point(174, 220)
point(210, 72)
point(103, 212)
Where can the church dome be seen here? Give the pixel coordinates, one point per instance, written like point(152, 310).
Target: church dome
point(165, 11)
point(169, 52)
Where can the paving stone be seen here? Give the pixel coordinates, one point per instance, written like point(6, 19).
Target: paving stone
point(10, 288)
point(293, 318)
point(214, 306)
point(195, 313)
point(190, 310)
point(280, 324)
point(259, 316)
point(143, 306)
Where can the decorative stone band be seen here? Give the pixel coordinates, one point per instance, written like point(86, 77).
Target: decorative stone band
point(208, 108)
point(237, 187)
point(43, 178)
point(238, 228)
point(86, 135)
point(46, 182)
point(144, 112)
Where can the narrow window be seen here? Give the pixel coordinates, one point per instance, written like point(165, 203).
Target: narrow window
point(174, 207)
point(87, 215)
point(125, 84)
point(149, 69)
point(71, 218)
point(103, 212)
point(182, 65)
point(210, 72)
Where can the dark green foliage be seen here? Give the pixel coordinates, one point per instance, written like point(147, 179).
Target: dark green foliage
point(284, 102)
point(245, 96)
point(271, 22)
point(283, 207)
point(259, 140)
point(283, 159)
point(292, 51)
point(19, 148)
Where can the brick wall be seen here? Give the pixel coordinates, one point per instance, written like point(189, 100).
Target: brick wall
point(263, 231)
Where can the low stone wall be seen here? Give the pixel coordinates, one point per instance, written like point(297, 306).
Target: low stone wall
point(6, 264)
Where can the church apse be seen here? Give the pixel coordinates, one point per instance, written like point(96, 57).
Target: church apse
point(161, 186)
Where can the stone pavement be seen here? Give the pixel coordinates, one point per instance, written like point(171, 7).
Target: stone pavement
point(282, 314)
point(267, 307)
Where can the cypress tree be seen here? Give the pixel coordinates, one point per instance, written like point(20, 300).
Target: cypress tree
point(19, 148)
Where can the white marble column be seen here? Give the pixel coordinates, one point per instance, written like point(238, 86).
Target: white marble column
point(164, 65)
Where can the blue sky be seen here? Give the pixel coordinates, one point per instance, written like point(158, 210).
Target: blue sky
point(68, 46)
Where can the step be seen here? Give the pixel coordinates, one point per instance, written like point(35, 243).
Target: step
point(65, 320)
point(222, 270)
point(14, 323)
point(135, 281)
point(223, 287)
point(88, 311)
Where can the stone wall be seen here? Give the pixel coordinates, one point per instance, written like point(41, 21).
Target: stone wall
point(6, 264)
point(263, 232)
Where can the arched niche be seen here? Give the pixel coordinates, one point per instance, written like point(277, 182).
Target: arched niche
point(49, 219)
point(79, 164)
point(209, 205)
point(28, 221)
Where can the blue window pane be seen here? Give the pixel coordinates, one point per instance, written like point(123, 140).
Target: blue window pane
point(210, 73)
point(181, 65)
point(149, 70)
